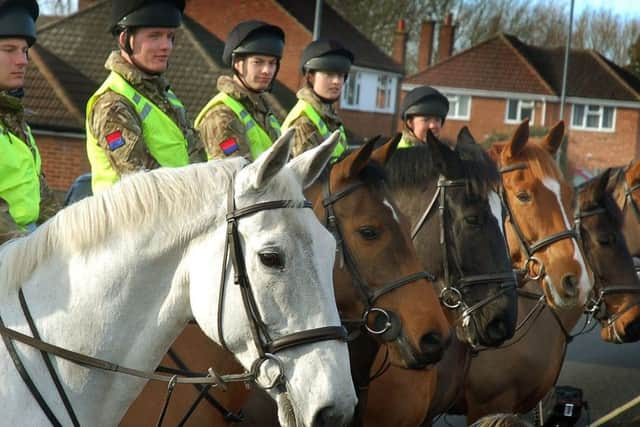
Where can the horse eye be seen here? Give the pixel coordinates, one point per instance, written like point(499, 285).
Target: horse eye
point(473, 220)
point(368, 233)
point(606, 238)
point(523, 196)
point(272, 260)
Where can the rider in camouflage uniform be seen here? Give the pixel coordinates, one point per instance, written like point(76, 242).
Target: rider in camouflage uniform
point(134, 121)
point(325, 65)
point(25, 199)
point(422, 109)
point(238, 121)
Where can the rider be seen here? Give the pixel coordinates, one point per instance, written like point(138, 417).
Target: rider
point(422, 109)
point(239, 120)
point(24, 196)
point(134, 121)
point(325, 65)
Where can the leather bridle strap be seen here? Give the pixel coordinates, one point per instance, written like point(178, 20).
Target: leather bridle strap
point(377, 293)
point(628, 197)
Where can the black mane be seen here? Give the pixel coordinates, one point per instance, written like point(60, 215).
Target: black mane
point(417, 166)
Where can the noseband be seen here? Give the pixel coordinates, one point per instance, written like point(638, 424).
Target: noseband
point(530, 249)
point(368, 295)
point(266, 346)
point(451, 295)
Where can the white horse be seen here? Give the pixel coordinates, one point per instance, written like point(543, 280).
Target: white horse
point(118, 276)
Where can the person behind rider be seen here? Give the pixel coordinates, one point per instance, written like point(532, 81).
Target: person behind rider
point(423, 109)
point(134, 121)
point(25, 199)
point(325, 66)
point(239, 121)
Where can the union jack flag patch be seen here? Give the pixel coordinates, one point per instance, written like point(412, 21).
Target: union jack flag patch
point(229, 146)
point(115, 140)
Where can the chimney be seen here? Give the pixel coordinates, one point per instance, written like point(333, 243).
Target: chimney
point(400, 43)
point(425, 46)
point(445, 47)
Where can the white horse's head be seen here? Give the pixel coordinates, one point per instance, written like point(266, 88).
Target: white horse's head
point(289, 258)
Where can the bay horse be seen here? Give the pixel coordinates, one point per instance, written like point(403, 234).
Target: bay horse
point(514, 377)
point(374, 279)
point(626, 186)
point(116, 277)
point(457, 227)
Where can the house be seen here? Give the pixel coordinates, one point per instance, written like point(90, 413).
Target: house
point(68, 66)
point(368, 102)
point(495, 84)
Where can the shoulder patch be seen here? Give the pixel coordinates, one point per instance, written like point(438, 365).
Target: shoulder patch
point(229, 146)
point(115, 140)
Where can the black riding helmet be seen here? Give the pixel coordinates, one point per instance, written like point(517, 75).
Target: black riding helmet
point(425, 101)
point(145, 13)
point(18, 19)
point(253, 37)
point(326, 55)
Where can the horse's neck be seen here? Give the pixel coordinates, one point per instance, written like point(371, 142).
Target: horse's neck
point(124, 301)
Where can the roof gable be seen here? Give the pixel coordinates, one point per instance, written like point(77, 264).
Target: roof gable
point(334, 26)
point(492, 65)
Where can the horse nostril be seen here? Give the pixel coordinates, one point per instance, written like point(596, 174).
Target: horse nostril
point(497, 330)
point(328, 416)
point(570, 284)
point(432, 347)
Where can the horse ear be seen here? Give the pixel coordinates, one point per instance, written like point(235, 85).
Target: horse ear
point(519, 140)
point(553, 140)
point(351, 165)
point(309, 165)
point(269, 163)
point(465, 137)
point(383, 154)
point(603, 182)
point(634, 172)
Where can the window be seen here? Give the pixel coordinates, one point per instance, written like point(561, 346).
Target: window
point(351, 92)
point(459, 106)
point(518, 110)
point(596, 117)
point(383, 93)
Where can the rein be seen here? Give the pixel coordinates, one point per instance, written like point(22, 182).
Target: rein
point(266, 346)
point(451, 296)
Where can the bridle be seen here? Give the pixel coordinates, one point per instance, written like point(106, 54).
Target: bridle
point(530, 249)
point(267, 347)
point(391, 327)
point(596, 307)
point(628, 200)
point(451, 295)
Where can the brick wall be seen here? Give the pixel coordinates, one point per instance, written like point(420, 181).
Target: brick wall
point(368, 124)
point(63, 159)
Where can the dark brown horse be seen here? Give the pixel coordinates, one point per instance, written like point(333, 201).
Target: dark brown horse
point(626, 183)
point(516, 376)
point(448, 195)
point(378, 284)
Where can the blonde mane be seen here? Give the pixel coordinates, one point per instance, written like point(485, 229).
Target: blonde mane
point(138, 203)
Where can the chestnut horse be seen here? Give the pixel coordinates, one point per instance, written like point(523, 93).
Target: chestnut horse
point(448, 193)
point(376, 260)
point(538, 199)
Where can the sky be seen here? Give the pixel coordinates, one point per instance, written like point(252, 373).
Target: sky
point(628, 8)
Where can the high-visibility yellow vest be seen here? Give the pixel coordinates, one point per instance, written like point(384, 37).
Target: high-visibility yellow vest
point(163, 137)
point(259, 139)
point(404, 143)
point(20, 177)
point(303, 107)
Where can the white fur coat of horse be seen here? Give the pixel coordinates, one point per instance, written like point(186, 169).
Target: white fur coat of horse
point(117, 277)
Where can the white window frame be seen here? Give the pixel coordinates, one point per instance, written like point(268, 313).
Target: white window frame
point(454, 106)
point(600, 112)
point(354, 77)
point(519, 117)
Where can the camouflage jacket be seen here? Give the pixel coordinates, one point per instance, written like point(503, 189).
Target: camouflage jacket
point(307, 135)
point(12, 117)
point(220, 123)
point(113, 112)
